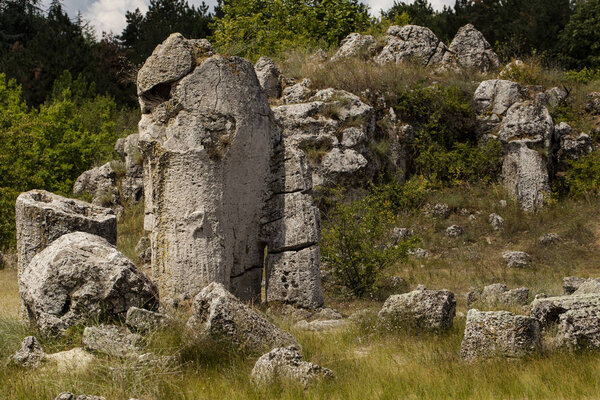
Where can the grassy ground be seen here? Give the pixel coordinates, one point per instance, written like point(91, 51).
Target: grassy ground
point(367, 363)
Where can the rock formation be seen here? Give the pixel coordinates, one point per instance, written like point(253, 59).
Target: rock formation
point(132, 184)
point(42, 217)
point(219, 316)
point(412, 43)
point(212, 157)
point(470, 50)
point(498, 294)
point(355, 45)
point(78, 277)
point(101, 184)
point(500, 334)
point(269, 77)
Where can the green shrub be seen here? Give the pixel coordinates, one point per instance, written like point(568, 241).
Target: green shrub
point(357, 235)
point(582, 178)
point(586, 75)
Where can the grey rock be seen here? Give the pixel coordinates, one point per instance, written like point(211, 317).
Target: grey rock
point(438, 210)
point(31, 354)
point(269, 77)
point(574, 147)
point(327, 313)
point(549, 239)
point(112, 340)
point(500, 334)
point(525, 176)
point(498, 295)
point(528, 122)
point(101, 183)
point(71, 396)
point(322, 325)
point(590, 286)
point(74, 360)
point(42, 217)
point(418, 253)
point(579, 328)
point(496, 221)
point(554, 97)
point(572, 283)
point(78, 277)
point(144, 250)
point(516, 259)
point(469, 49)
point(401, 235)
point(132, 184)
point(548, 310)
point(593, 104)
point(142, 320)
point(412, 43)
point(170, 61)
point(286, 363)
point(355, 45)
point(454, 231)
point(298, 93)
point(219, 316)
point(422, 309)
point(492, 100)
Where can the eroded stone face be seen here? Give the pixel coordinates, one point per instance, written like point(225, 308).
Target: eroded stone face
point(220, 184)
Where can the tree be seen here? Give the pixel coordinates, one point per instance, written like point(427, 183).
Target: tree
point(268, 27)
point(164, 17)
point(580, 40)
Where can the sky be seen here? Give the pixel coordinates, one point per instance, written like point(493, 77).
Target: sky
point(109, 15)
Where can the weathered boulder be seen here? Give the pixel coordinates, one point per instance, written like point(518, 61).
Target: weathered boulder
point(269, 77)
point(438, 210)
point(496, 221)
point(469, 49)
point(78, 277)
point(590, 286)
point(593, 104)
point(144, 250)
point(553, 97)
point(142, 320)
point(214, 124)
point(101, 183)
point(355, 45)
point(30, 355)
point(334, 129)
point(498, 294)
point(286, 363)
point(412, 43)
point(573, 147)
point(454, 231)
point(322, 325)
point(492, 100)
point(500, 334)
point(549, 309)
point(549, 239)
point(516, 259)
point(71, 396)
point(74, 360)
point(42, 217)
point(528, 122)
point(132, 183)
point(219, 316)
point(525, 176)
point(572, 283)
point(579, 328)
point(422, 309)
point(298, 93)
point(418, 253)
point(112, 340)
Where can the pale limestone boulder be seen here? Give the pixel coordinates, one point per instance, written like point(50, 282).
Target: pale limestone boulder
point(286, 363)
point(298, 93)
point(412, 43)
point(101, 183)
point(42, 217)
point(69, 361)
point(496, 221)
point(470, 50)
point(498, 294)
point(579, 328)
point(516, 259)
point(324, 325)
point(548, 310)
point(528, 122)
point(79, 277)
point(132, 184)
point(355, 45)
point(590, 286)
point(525, 176)
point(112, 340)
point(421, 309)
point(572, 283)
point(496, 96)
point(454, 231)
point(142, 320)
point(500, 334)
point(30, 355)
point(219, 316)
point(269, 77)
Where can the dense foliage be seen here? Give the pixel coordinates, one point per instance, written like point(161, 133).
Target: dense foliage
point(47, 148)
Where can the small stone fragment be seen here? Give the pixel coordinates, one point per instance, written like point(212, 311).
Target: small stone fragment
point(454, 231)
point(516, 259)
point(31, 354)
point(496, 221)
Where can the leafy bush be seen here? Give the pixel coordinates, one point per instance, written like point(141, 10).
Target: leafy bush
point(582, 178)
point(50, 147)
point(356, 236)
point(254, 28)
point(585, 75)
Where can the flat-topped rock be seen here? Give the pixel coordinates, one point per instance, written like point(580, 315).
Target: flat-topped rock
point(548, 310)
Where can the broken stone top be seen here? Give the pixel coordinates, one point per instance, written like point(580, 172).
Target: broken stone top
point(43, 200)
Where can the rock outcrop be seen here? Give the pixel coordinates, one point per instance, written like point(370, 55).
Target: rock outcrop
point(269, 77)
point(412, 43)
point(579, 328)
point(30, 355)
point(470, 50)
point(42, 217)
point(548, 310)
point(355, 45)
point(516, 259)
point(112, 340)
point(142, 320)
point(498, 294)
point(219, 316)
point(101, 184)
point(286, 363)
point(492, 100)
point(500, 334)
point(421, 309)
point(213, 159)
point(78, 277)
point(132, 183)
